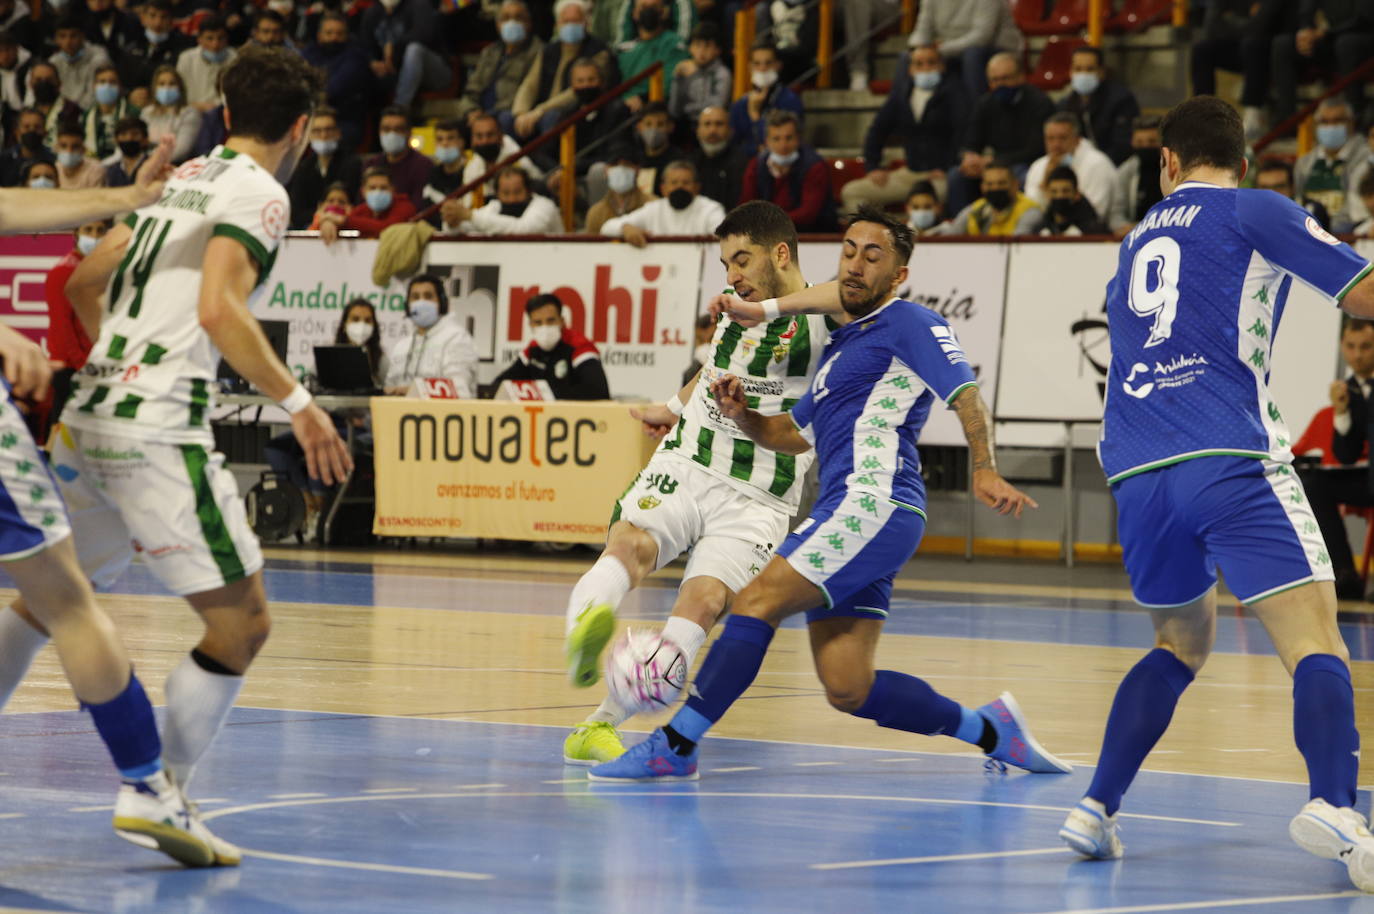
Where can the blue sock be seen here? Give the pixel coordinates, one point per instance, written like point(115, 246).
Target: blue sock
point(1144, 705)
point(1324, 727)
point(728, 670)
point(127, 726)
point(902, 702)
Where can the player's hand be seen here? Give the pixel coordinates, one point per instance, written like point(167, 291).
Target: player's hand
point(153, 174)
point(26, 366)
point(658, 419)
point(729, 394)
point(329, 231)
point(879, 177)
point(453, 213)
point(634, 236)
point(326, 456)
point(999, 495)
point(1340, 398)
point(745, 313)
point(971, 166)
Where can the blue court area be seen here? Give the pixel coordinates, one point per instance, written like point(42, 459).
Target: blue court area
point(359, 814)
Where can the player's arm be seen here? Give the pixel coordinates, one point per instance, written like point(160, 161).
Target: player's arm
point(660, 417)
point(228, 276)
point(821, 299)
point(1359, 301)
point(777, 433)
point(988, 485)
point(25, 209)
point(86, 287)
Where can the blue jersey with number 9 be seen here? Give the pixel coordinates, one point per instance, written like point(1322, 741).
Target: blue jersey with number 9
point(1199, 289)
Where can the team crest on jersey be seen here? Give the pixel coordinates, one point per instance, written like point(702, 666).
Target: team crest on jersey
point(274, 219)
point(648, 502)
point(1316, 231)
point(785, 342)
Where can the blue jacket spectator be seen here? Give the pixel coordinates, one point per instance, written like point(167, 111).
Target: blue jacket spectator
point(348, 77)
point(749, 113)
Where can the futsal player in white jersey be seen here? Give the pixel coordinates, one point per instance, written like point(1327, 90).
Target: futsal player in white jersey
point(164, 295)
point(707, 488)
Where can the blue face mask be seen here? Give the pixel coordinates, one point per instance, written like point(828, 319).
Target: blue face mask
point(1332, 136)
point(42, 182)
point(512, 31)
point(74, 57)
point(324, 147)
point(86, 243)
point(393, 143)
point(167, 95)
point(921, 219)
point(927, 80)
point(219, 56)
point(572, 32)
point(106, 94)
point(155, 37)
point(1084, 83)
point(1006, 94)
point(69, 160)
point(783, 161)
point(424, 313)
point(379, 201)
point(446, 155)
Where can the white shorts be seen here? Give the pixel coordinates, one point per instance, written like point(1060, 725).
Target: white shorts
point(175, 504)
point(31, 514)
point(731, 535)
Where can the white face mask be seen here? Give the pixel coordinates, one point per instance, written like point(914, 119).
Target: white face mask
point(547, 336)
point(424, 312)
point(86, 243)
point(358, 332)
point(764, 79)
point(620, 178)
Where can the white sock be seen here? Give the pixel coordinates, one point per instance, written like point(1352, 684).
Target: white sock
point(198, 702)
point(605, 582)
point(687, 635)
point(20, 642)
point(610, 712)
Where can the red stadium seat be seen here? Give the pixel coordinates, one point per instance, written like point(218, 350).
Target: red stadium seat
point(1067, 18)
point(1135, 15)
point(1051, 71)
point(842, 171)
point(1029, 14)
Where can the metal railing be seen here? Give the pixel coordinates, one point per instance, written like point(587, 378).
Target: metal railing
point(1301, 121)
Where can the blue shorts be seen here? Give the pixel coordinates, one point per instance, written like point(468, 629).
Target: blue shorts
point(32, 516)
point(852, 551)
point(1248, 517)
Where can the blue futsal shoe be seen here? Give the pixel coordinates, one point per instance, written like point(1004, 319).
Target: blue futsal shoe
point(1015, 744)
point(651, 760)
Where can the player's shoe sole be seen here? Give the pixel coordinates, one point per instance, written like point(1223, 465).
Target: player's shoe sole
point(586, 641)
point(1015, 743)
point(177, 843)
point(1090, 831)
point(592, 743)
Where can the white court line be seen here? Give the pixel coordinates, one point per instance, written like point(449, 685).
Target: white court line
point(1243, 750)
point(391, 790)
point(373, 867)
point(12, 815)
point(294, 796)
point(566, 781)
point(479, 786)
point(905, 758)
point(813, 764)
point(943, 858)
point(732, 770)
point(1200, 905)
point(91, 809)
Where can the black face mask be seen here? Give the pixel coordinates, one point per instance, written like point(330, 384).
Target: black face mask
point(1061, 209)
point(680, 198)
point(130, 149)
point(45, 92)
point(588, 95)
point(650, 18)
point(331, 48)
point(998, 199)
point(515, 210)
point(488, 151)
point(31, 141)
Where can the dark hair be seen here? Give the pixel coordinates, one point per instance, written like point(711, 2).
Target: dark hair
point(374, 342)
point(763, 223)
point(395, 111)
point(1275, 165)
point(132, 122)
point(268, 116)
point(1355, 323)
point(373, 171)
point(706, 31)
point(331, 16)
point(29, 166)
point(325, 111)
point(903, 239)
point(923, 187)
point(781, 117)
point(434, 281)
point(1089, 49)
point(581, 63)
point(518, 171)
point(106, 68)
point(162, 6)
point(66, 127)
point(682, 165)
point(1066, 117)
point(1204, 130)
point(212, 23)
point(652, 108)
point(543, 301)
point(339, 186)
point(452, 125)
point(1366, 185)
point(1000, 164)
point(763, 44)
point(70, 23)
point(7, 39)
point(268, 16)
point(1064, 173)
point(1145, 122)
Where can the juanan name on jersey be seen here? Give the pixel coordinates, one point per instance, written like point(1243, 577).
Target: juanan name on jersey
point(1169, 216)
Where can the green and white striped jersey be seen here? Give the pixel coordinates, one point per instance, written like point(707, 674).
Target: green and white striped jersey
point(775, 362)
point(151, 372)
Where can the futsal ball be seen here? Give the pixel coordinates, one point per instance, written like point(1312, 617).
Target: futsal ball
point(645, 672)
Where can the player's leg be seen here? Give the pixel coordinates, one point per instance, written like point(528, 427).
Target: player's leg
point(21, 638)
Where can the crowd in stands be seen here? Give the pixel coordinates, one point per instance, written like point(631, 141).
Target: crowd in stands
point(87, 86)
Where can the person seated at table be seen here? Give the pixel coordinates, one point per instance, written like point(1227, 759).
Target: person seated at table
point(439, 347)
point(357, 327)
point(558, 354)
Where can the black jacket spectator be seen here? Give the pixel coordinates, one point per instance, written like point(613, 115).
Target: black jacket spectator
point(721, 175)
point(592, 129)
point(413, 21)
point(308, 183)
point(1348, 448)
point(348, 85)
point(1015, 132)
point(1106, 117)
point(1079, 214)
point(572, 368)
point(136, 57)
point(13, 163)
point(552, 82)
point(933, 143)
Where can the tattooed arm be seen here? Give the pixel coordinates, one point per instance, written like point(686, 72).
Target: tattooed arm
point(988, 486)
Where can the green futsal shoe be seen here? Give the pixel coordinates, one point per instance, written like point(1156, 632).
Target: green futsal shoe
point(586, 641)
point(591, 743)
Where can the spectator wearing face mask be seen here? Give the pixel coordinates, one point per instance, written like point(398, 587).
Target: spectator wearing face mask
point(502, 67)
point(653, 43)
point(703, 81)
point(169, 113)
point(598, 133)
point(1104, 107)
point(1324, 174)
point(383, 205)
point(968, 34)
point(402, 41)
point(517, 210)
point(766, 93)
point(923, 210)
point(438, 346)
point(325, 163)
point(1065, 147)
point(201, 65)
point(547, 92)
point(45, 95)
point(623, 193)
point(408, 169)
point(334, 207)
point(720, 164)
point(348, 80)
point(76, 61)
point(100, 121)
point(131, 142)
point(613, 21)
point(490, 145)
point(558, 354)
point(74, 168)
point(792, 175)
point(681, 210)
point(653, 135)
point(1002, 210)
point(27, 147)
point(1137, 178)
point(1066, 211)
point(68, 343)
point(40, 174)
point(450, 159)
point(140, 51)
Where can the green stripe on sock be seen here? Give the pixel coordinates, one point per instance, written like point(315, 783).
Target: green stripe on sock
point(211, 520)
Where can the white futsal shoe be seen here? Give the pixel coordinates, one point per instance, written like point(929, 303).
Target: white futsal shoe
point(1090, 831)
point(153, 813)
point(1337, 833)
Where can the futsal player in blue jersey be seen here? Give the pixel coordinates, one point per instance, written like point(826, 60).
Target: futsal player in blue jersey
point(881, 373)
point(1198, 459)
